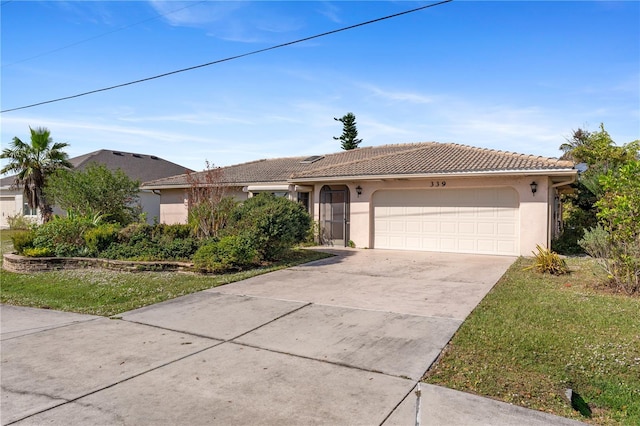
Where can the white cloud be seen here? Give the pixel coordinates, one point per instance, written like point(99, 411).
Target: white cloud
point(379, 131)
point(87, 136)
point(191, 14)
point(231, 20)
point(527, 130)
point(398, 116)
point(203, 118)
point(331, 11)
point(398, 96)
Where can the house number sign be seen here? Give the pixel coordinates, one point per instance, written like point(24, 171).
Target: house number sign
point(436, 184)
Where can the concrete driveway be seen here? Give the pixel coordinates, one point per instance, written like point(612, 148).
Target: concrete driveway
point(338, 341)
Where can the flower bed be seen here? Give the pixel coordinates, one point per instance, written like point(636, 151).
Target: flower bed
point(25, 265)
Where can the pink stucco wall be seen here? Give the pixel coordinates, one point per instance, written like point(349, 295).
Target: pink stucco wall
point(534, 220)
point(535, 211)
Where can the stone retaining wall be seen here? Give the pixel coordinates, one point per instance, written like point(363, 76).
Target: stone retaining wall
point(22, 264)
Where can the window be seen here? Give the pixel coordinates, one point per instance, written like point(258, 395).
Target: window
point(28, 211)
point(274, 193)
point(312, 159)
point(303, 198)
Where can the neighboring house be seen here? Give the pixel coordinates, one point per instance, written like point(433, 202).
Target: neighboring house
point(423, 196)
point(136, 166)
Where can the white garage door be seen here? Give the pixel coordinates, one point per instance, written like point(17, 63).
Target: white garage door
point(7, 208)
point(449, 220)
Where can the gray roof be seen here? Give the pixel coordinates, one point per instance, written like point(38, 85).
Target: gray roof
point(404, 160)
point(139, 167)
point(7, 181)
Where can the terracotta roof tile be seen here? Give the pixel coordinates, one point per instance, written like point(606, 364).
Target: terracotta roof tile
point(435, 158)
point(386, 160)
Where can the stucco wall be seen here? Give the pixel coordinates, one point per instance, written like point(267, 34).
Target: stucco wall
point(174, 204)
point(533, 209)
point(150, 203)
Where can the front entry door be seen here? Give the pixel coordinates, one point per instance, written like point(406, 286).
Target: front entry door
point(334, 215)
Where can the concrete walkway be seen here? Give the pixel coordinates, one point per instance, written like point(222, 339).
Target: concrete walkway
point(338, 341)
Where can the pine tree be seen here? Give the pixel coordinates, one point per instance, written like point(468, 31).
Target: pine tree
point(349, 139)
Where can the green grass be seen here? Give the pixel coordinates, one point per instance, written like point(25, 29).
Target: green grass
point(5, 240)
point(536, 335)
point(101, 292)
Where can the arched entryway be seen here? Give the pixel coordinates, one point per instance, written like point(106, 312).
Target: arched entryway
point(334, 215)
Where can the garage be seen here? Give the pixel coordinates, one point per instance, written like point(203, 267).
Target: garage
point(471, 220)
point(7, 208)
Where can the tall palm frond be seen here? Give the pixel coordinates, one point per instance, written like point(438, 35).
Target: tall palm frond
point(32, 163)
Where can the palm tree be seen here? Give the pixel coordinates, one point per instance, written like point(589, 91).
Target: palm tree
point(33, 163)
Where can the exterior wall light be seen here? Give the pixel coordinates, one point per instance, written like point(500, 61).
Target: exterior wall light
point(534, 187)
point(359, 190)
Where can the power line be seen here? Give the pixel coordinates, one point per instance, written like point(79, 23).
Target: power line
point(48, 52)
point(255, 52)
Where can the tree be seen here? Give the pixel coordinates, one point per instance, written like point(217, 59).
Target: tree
point(598, 151)
point(209, 205)
point(619, 208)
point(94, 191)
point(33, 163)
point(349, 139)
point(601, 155)
point(615, 242)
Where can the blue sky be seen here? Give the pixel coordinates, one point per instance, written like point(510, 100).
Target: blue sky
point(507, 75)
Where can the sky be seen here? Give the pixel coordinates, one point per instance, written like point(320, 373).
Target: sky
point(505, 75)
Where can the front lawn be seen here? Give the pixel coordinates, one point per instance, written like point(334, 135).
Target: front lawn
point(536, 335)
point(5, 240)
point(102, 292)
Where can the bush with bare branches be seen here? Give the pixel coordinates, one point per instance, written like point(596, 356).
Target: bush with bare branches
point(209, 204)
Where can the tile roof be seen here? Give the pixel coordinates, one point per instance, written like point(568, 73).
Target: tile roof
point(139, 167)
point(386, 160)
point(438, 158)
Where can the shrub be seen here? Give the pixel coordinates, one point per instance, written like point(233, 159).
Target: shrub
point(546, 261)
point(172, 231)
point(18, 221)
point(596, 242)
point(134, 232)
point(140, 241)
point(272, 224)
point(618, 212)
point(230, 252)
point(101, 237)
point(178, 248)
point(209, 206)
point(22, 241)
point(619, 207)
point(209, 218)
point(568, 242)
point(313, 234)
point(95, 189)
point(122, 251)
point(37, 252)
point(618, 257)
point(64, 236)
